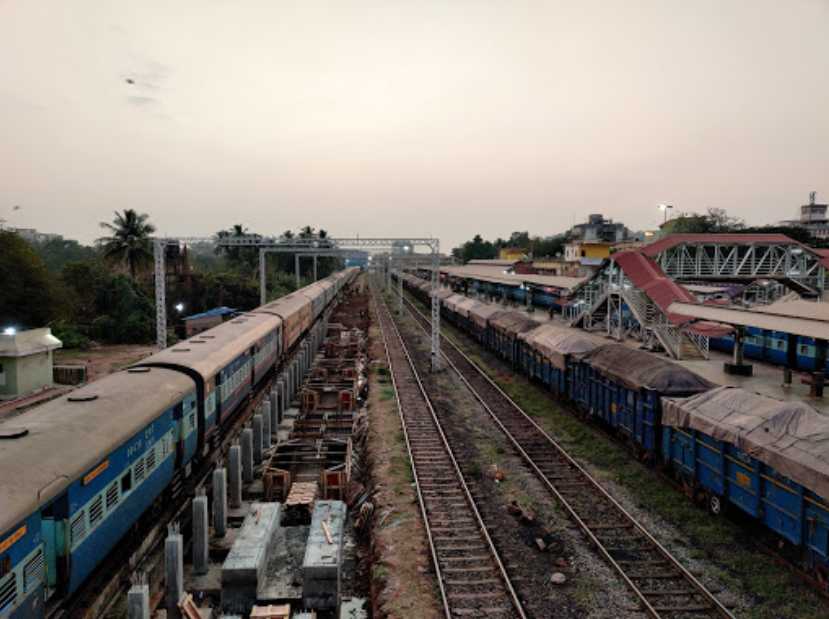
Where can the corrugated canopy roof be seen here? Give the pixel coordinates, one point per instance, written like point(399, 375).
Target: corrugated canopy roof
point(512, 279)
point(494, 263)
point(811, 322)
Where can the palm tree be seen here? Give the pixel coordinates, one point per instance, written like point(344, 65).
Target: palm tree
point(130, 243)
point(246, 258)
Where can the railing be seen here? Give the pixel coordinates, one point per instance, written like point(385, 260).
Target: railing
point(702, 342)
point(589, 297)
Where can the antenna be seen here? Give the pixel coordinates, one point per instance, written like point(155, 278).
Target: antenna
point(812, 197)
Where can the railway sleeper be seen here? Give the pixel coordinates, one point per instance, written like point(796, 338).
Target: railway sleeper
point(695, 608)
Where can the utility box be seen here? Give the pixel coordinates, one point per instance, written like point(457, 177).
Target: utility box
point(26, 361)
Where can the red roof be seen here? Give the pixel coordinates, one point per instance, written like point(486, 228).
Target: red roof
point(672, 240)
point(661, 289)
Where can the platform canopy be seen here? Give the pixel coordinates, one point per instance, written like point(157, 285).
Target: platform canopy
point(804, 318)
point(501, 276)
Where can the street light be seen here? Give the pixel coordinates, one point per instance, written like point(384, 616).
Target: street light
point(664, 208)
point(179, 307)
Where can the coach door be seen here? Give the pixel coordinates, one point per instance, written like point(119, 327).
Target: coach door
point(53, 535)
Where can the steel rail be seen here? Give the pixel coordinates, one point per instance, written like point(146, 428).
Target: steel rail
point(384, 316)
point(716, 606)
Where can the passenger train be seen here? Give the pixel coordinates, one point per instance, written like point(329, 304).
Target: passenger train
point(79, 471)
point(626, 390)
point(776, 347)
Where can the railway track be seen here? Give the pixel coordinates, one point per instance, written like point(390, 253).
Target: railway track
point(663, 587)
point(470, 574)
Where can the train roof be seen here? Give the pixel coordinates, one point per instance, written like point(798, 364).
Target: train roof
point(452, 302)
point(209, 351)
point(638, 369)
point(557, 342)
point(790, 436)
point(70, 435)
point(313, 291)
point(482, 312)
point(513, 322)
point(285, 306)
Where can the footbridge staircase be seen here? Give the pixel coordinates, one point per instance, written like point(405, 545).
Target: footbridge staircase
point(629, 297)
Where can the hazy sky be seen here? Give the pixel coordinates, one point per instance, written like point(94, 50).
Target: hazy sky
point(409, 118)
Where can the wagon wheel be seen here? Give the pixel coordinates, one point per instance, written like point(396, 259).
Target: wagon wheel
point(715, 504)
point(822, 577)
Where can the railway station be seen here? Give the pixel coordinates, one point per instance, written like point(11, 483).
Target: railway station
point(253, 490)
point(414, 310)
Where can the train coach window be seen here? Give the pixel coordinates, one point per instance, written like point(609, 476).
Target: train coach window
point(804, 349)
point(126, 482)
point(5, 565)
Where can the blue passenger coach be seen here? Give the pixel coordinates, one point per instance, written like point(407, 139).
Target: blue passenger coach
point(81, 470)
point(78, 472)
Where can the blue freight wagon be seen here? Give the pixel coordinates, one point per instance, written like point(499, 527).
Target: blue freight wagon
point(762, 456)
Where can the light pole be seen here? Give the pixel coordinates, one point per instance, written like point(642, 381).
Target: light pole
point(664, 208)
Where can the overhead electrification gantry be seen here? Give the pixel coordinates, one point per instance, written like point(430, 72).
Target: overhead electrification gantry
point(300, 247)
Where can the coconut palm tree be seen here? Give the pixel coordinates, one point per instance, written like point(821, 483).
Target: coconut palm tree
point(130, 243)
point(246, 258)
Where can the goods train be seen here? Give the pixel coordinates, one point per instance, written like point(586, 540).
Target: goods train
point(729, 447)
point(78, 472)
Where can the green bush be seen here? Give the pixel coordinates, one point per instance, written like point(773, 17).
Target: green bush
point(70, 335)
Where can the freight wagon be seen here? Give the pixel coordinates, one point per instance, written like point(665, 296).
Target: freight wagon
point(764, 457)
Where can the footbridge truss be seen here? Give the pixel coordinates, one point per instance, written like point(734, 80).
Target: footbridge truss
point(742, 258)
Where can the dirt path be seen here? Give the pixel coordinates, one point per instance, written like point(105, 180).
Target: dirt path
point(103, 360)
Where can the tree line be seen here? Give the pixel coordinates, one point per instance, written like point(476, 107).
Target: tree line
point(713, 221)
point(105, 292)
point(535, 246)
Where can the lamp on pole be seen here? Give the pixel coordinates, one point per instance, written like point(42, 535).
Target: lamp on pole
point(664, 208)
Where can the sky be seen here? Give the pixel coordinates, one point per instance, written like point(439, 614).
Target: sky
point(409, 118)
